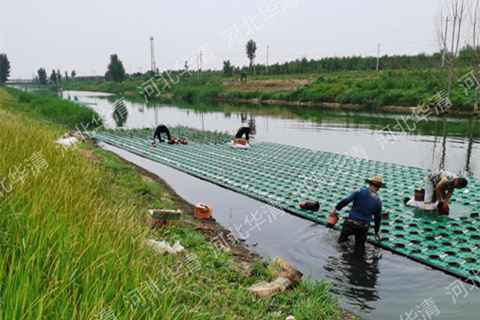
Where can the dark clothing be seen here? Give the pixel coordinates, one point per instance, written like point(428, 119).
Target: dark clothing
point(366, 203)
point(243, 131)
point(161, 129)
point(351, 227)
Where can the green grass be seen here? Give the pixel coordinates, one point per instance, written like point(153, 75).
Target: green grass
point(47, 106)
point(367, 88)
point(72, 243)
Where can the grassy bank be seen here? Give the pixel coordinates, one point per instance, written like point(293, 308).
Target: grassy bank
point(72, 235)
point(45, 105)
point(370, 89)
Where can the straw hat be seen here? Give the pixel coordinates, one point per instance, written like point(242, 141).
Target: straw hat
point(376, 181)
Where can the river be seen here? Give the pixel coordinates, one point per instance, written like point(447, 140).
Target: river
point(376, 284)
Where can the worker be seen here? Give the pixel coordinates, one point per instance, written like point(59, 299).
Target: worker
point(442, 183)
point(161, 129)
point(366, 204)
point(243, 130)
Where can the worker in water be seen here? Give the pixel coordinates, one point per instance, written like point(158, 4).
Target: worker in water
point(442, 183)
point(366, 204)
point(161, 129)
point(243, 130)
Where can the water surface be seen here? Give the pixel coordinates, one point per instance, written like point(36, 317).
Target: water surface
point(375, 283)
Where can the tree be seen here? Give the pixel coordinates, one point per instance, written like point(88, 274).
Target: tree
point(42, 76)
point(455, 11)
point(475, 25)
point(107, 76)
point(53, 77)
point(251, 48)
point(66, 76)
point(116, 69)
point(73, 74)
point(59, 76)
point(227, 68)
point(4, 68)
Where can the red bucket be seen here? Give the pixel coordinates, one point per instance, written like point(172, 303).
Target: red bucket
point(444, 208)
point(332, 221)
point(312, 206)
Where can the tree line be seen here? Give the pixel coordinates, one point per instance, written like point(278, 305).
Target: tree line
point(467, 57)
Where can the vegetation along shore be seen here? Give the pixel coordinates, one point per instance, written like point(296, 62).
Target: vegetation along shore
point(73, 236)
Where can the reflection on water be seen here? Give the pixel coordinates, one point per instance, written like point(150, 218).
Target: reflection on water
point(436, 142)
point(253, 127)
point(120, 113)
point(470, 145)
point(358, 270)
point(444, 144)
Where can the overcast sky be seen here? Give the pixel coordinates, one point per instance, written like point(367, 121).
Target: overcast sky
point(80, 35)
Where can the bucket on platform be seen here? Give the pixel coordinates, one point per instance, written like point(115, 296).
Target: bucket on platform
point(420, 194)
point(443, 208)
point(332, 221)
point(241, 141)
point(312, 206)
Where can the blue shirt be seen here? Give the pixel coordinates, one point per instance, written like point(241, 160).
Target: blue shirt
point(366, 203)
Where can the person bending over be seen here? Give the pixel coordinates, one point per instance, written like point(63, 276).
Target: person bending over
point(442, 183)
point(244, 130)
point(160, 129)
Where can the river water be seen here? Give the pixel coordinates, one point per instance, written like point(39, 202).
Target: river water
point(376, 284)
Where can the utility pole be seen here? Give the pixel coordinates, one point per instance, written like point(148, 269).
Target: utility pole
point(267, 62)
point(201, 61)
point(445, 43)
point(152, 56)
point(198, 66)
point(378, 56)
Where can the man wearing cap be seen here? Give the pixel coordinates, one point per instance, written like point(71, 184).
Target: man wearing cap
point(442, 183)
point(366, 204)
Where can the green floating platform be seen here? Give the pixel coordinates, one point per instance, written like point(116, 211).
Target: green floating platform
point(284, 176)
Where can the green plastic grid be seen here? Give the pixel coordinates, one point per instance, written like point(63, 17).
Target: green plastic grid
point(284, 176)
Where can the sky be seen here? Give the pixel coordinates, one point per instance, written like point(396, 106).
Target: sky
point(81, 35)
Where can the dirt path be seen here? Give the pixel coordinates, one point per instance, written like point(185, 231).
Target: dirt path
point(266, 84)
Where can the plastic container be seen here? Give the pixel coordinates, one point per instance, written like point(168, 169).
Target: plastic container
point(420, 194)
point(203, 211)
point(445, 209)
point(311, 206)
point(240, 141)
point(332, 221)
